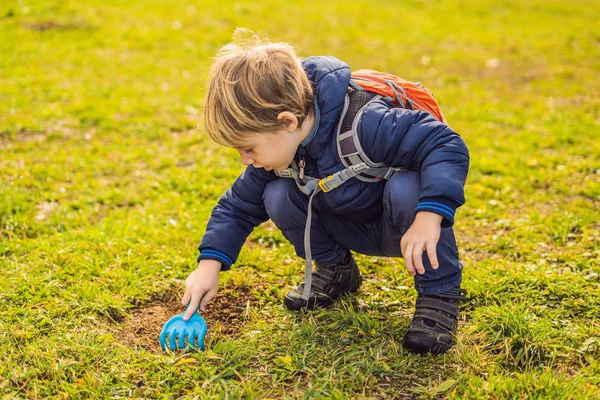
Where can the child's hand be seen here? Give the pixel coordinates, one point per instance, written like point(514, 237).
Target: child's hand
point(201, 286)
point(423, 235)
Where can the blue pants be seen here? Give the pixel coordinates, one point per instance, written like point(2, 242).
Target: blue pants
point(332, 236)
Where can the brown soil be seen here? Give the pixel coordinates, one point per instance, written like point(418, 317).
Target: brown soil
point(225, 315)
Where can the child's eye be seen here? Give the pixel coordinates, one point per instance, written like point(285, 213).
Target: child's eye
point(249, 150)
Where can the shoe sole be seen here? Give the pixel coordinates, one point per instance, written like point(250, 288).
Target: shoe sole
point(294, 305)
point(422, 345)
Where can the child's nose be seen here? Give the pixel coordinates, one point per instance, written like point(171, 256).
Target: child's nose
point(247, 160)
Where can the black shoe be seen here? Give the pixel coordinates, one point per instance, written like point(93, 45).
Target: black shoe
point(433, 328)
point(329, 282)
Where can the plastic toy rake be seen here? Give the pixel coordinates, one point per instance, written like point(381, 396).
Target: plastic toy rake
point(184, 334)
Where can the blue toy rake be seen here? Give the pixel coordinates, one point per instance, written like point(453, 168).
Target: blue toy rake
point(184, 334)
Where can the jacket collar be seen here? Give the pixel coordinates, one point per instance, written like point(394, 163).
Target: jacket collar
point(315, 128)
point(329, 77)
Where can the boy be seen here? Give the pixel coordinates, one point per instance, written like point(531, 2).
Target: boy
point(277, 111)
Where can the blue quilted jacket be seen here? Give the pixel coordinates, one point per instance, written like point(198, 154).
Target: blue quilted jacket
point(394, 136)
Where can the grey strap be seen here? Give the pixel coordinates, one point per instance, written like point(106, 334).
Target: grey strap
point(306, 188)
point(355, 86)
point(312, 187)
point(326, 184)
point(307, 250)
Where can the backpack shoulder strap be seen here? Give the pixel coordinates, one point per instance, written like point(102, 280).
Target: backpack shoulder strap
point(348, 145)
point(306, 185)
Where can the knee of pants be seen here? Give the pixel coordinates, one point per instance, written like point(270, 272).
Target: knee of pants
point(401, 196)
point(279, 197)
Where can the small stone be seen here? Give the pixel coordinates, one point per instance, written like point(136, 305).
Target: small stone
point(591, 275)
point(492, 63)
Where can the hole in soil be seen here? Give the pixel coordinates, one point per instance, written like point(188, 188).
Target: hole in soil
point(226, 314)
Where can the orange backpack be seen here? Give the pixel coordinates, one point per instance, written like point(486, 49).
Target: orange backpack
point(366, 86)
point(404, 94)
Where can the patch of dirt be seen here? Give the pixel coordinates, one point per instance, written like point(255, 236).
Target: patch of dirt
point(226, 314)
point(21, 135)
point(45, 25)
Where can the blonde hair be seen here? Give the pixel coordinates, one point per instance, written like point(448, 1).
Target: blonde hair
point(249, 85)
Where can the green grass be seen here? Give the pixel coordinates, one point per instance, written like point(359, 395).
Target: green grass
point(107, 188)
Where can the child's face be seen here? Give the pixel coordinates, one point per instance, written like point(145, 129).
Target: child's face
point(270, 150)
point(275, 150)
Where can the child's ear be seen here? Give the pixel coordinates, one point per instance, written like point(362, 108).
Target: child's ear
point(289, 120)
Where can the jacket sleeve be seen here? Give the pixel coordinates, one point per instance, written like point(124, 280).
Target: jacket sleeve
point(236, 214)
point(415, 140)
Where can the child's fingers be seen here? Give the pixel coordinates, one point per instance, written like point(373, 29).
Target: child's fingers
point(192, 307)
point(403, 246)
point(408, 260)
point(186, 298)
point(432, 254)
point(208, 296)
point(418, 258)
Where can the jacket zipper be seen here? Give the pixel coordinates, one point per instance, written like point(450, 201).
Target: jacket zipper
point(302, 164)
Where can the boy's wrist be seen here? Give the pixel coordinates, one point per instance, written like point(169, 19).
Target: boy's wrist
point(216, 255)
point(429, 217)
point(442, 206)
point(207, 263)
